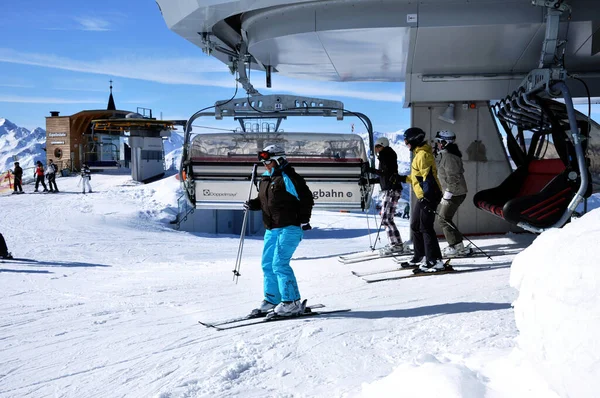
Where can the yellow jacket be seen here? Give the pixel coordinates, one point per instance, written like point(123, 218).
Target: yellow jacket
point(423, 164)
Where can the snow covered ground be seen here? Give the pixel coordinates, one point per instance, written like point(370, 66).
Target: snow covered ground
point(109, 302)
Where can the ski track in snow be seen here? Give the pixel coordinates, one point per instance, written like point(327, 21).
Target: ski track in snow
point(109, 304)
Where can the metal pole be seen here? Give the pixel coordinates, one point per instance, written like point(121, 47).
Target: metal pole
point(454, 227)
point(238, 260)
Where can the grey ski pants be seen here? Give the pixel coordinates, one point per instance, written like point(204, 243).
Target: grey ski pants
point(447, 210)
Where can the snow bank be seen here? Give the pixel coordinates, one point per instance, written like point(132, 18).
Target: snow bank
point(557, 310)
point(428, 377)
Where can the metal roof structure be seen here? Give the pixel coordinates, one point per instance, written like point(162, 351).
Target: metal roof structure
point(515, 51)
point(445, 50)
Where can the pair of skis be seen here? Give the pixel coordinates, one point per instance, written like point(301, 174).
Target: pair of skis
point(370, 255)
point(381, 277)
point(256, 318)
point(404, 256)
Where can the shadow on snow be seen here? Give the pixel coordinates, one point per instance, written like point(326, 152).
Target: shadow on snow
point(27, 261)
point(440, 309)
point(25, 271)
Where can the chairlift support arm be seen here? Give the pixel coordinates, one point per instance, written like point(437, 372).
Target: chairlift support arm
point(548, 80)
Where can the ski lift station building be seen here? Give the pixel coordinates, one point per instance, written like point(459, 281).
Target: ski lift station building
point(486, 69)
point(96, 137)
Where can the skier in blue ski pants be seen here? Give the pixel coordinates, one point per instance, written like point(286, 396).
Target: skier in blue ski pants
point(279, 279)
point(286, 203)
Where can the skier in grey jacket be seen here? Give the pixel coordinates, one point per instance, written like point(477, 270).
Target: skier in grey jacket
point(451, 175)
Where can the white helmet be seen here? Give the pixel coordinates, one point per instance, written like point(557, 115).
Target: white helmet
point(445, 135)
point(272, 152)
point(383, 141)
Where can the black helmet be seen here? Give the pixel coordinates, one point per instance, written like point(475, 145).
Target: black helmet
point(414, 136)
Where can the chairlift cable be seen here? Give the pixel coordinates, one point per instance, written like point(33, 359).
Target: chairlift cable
point(213, 128)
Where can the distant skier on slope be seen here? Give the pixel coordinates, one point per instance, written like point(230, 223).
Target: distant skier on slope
point(286, 203)
point(51, 171)
point(39, 176)
point(18, 173)
point(425, 184)
point(391, 185)
point(86, 176)
point(451, 175)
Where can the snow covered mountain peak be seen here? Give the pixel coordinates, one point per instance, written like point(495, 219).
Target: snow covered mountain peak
point(18, 143)
point(7, 126)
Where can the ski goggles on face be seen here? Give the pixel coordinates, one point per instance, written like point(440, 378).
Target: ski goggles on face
point(264, 157)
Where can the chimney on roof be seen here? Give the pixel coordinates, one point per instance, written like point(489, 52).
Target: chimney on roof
point(111, 101)
point(54, 113)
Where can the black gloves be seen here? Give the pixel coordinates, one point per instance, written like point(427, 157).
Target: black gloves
point(427, 205)
point(251, 205)
point(397, 179)
point(305, 226)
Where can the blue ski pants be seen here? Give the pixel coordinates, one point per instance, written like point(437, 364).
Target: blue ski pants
point(279, 279)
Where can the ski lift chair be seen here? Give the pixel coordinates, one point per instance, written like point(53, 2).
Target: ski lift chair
point(538, 192)
point(219, 163)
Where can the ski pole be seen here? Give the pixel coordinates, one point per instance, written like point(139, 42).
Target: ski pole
point(365, 175)
point(378, 231)
point(238, 260)
point(454, 227)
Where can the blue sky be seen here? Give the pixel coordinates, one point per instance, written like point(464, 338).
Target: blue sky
point(61, 56)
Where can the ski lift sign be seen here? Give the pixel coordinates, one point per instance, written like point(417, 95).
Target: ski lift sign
point(278, 106)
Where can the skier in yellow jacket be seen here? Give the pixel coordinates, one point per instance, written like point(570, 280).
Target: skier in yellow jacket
point(426, 186)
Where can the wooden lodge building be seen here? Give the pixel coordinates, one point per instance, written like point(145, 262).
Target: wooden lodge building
point(70, 141)
point(96, 137)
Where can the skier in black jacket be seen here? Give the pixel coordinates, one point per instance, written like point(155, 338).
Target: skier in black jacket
point(391, 185)
point(286, 203)
point(18, 172)
point(51, 170)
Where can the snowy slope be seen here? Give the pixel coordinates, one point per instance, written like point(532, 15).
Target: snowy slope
point(108, 304)
point(26, 145)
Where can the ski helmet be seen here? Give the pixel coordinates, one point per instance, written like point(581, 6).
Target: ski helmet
point(445, 137)
point(414, 136)
point(272, 152)
point(382, 141)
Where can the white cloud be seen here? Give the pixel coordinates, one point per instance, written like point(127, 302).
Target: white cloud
point(193, 71)
point(93, 24)
point(184, 70)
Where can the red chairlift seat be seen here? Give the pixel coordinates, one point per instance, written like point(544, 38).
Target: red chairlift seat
point(537, 193)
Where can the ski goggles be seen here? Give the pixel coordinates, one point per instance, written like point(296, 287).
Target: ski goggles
point(264, 157)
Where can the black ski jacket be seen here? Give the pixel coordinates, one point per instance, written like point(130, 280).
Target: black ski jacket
point(280, 207)
point(18, 172)
point(388, 170)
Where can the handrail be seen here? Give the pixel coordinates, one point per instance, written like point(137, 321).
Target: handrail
point(183, 210)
